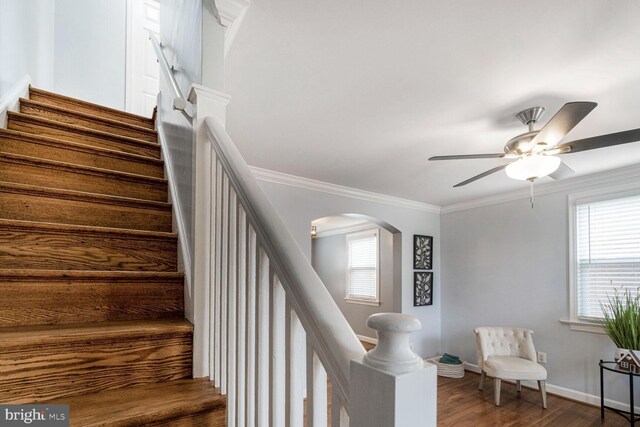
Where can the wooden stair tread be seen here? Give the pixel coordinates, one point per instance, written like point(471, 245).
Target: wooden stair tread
point(81, 195)
point(40, 140)
point(87, 229)
point(144, 405)
point(88, 296)
point(81, 119)
point(26, 274)
point(42, 95)
point(73, 133)
point(41, 334)
point(88, 170)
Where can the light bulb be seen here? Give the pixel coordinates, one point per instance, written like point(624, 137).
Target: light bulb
point(533, 167)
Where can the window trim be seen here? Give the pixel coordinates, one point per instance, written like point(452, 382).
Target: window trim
point(575, 322)
point(363, 301)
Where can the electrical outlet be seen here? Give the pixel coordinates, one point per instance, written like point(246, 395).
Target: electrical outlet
point(542, 357)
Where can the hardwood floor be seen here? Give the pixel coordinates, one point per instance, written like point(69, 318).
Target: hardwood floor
point(460, 403)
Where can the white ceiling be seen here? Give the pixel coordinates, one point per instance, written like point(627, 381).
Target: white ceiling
point(361, 93)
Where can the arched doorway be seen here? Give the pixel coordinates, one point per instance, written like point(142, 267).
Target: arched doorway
point(358, 259)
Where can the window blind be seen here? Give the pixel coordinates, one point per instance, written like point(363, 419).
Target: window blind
point(362, 275)
point(607, 251)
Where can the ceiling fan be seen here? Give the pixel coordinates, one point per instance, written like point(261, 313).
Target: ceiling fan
point(534, 152)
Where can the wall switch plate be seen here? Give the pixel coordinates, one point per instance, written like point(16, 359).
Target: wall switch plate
point(542, 357)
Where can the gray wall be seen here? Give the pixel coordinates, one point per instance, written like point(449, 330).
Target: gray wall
point(90, 50)
point(298, 207)
point(508, 264)
point(329, 259)
point(26, 42)
point(181, 34)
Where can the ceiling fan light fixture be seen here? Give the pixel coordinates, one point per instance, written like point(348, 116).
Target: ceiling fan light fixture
point(533, 167)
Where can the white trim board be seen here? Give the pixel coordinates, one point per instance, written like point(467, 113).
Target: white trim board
point(589, 399)
point(11, 100)
point(185, 251)
point(339, 190)
point(604, 177)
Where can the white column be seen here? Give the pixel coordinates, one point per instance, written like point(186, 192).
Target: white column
point(405, 385)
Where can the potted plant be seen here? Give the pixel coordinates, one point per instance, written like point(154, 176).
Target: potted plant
point(622, 323)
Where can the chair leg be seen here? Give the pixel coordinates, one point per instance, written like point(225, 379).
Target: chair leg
point(496, 387)
point(518, 386)
point(483, 376)
point(543, 393)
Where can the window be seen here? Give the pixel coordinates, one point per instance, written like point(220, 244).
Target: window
point(606, 251)
point(362, 267)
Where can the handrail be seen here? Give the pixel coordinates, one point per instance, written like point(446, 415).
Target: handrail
point(333, 339)
point(179, 103)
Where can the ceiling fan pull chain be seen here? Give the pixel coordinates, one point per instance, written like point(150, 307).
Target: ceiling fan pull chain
point(531, 192)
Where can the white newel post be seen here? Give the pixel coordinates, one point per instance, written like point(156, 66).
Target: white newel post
point(392, 386)
point(206, 102)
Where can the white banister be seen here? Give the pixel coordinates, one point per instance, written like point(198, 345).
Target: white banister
point(276, 323)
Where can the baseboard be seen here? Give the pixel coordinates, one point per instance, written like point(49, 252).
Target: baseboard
point(368, 340)
point(183, 248)
point(566, 393)
point(11, 100)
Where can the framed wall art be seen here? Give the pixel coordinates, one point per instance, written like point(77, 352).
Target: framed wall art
point(422, 288)
point(422, 252)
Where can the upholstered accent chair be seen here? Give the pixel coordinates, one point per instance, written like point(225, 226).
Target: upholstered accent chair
point(508, 354)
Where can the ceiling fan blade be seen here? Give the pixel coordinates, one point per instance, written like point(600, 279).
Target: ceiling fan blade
point(602, 141)
point(566, 119)
point(482, 175)
point(562, 172)
point(469, 156)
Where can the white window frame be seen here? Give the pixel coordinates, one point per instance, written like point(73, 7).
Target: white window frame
point(575, 322)
point(354, 299)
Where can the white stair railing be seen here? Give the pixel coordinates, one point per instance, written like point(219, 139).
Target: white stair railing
point(275, 333)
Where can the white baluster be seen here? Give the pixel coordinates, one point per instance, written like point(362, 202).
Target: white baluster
point(339, 417)
point(278, 365)
point(263, 342)
point(294, 399)
point(217, 261)
point(241, 318)
point(316, 389)
point(405, 385)
point(212, 266)
point(251, 328)
point(224, 300)
point(217, 273)
point(232, 311)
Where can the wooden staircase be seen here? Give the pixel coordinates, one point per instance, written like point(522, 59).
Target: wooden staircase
point(92, 309)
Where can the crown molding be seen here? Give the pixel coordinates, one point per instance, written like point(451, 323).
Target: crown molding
point(347, 229)
point(610, 176)
point(339, 190)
